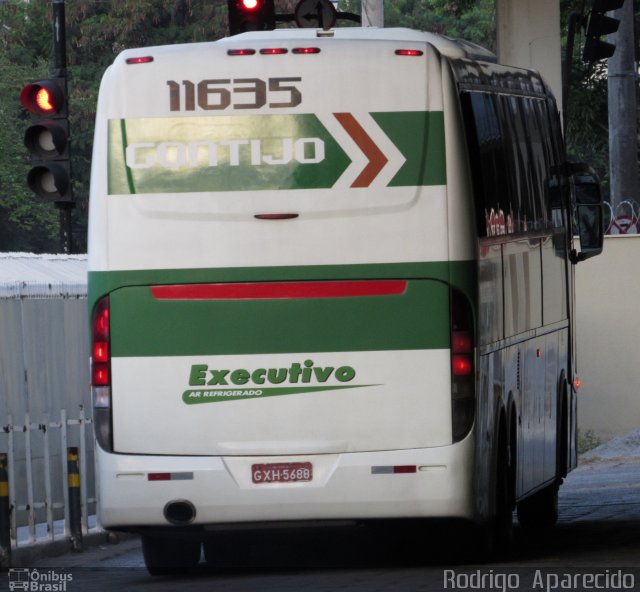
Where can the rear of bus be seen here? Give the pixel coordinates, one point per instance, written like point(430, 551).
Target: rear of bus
point(280, 280)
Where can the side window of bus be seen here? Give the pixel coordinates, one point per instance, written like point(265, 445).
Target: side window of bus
point(514, 163)
point(553, 170)
point(488, 162)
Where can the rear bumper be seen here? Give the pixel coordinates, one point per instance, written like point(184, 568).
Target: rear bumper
point(344, 486)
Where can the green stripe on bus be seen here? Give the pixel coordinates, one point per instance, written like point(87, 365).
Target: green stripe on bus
point(419, 135)
point(142, 326)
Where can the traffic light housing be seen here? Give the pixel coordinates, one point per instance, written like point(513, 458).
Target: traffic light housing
point(47, 138)
point(599, 25)
point(251, 15)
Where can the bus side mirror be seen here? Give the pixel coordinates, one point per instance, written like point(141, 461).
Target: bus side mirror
point(588, 212)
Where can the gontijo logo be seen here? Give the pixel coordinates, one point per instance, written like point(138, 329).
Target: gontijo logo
point(272, 152)
point(246, 384)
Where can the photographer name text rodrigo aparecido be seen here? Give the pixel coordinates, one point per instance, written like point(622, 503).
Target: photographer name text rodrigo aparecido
point(539, 579)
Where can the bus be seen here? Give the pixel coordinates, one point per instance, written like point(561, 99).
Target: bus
point(331, 278)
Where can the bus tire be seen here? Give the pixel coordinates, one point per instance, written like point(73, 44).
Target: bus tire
point(169, 556)
point(495, 539)
point(540, 510)
point(503, 519)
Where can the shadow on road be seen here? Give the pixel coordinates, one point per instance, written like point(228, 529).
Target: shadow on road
point(420, 544)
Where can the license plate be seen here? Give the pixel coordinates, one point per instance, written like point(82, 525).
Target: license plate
point(282, 472)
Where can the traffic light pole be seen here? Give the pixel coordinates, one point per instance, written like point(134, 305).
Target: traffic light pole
point(59, 38)
point(575, 19)
point(60, 66)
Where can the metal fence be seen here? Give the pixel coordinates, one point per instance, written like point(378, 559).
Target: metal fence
point(44, 394)
point(37, 454)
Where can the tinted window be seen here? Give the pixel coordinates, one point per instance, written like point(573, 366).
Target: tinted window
point(513, 162)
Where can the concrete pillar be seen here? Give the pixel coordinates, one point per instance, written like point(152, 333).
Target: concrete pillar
point(623, 138)
point(528, 36)
point(372, 13)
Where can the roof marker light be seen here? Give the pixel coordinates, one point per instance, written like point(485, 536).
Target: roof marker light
point(140, 60)
point(305, 50)
point(409, 52)
point(241, 52)
point(274, 50)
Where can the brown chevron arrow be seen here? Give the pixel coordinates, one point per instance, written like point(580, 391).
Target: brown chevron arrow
point(377, 160)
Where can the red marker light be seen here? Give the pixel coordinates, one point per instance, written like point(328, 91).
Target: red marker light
point(140, 60)
point(305, 50)
point(241, 52)
point(409, 52)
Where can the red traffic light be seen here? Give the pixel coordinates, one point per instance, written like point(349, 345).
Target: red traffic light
point(43, 97)
point(251, 15)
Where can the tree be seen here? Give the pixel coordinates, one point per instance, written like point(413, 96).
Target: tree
point(97, 30)
point(25, 224)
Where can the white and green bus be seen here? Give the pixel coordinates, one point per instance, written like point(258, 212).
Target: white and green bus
point(330, 278)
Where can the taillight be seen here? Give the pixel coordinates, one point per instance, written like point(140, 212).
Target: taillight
point(101, 373)
point(100, 357)
point(462, 366)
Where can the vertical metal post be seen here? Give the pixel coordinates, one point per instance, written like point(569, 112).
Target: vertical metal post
point(65, 208)
point(60, 69)
point(75, 512)
point(5, 514)
point(574, 22)
point(48, 501)
point(29, 469)
point(65, 470)
point(83, 472)
point(12, 479)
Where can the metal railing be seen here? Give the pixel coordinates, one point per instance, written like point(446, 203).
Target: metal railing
point(49, 468)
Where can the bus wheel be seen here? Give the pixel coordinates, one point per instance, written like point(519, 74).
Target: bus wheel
point(503, 520)
point(169, 556)
point(495, 539)
point(540, 510)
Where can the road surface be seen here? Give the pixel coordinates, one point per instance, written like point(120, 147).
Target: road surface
point(598, 534)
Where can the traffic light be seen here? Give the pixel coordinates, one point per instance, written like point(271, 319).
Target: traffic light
point(598, 25)
point(251, 15)
point(47, 138)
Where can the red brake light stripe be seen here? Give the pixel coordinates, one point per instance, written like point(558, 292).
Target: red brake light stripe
point(276, 290)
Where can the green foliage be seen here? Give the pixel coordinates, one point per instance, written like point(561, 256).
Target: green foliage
point(587, 129)
point(97, 30)
point(469, 19)
point(588, 441)
point(25, 224)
